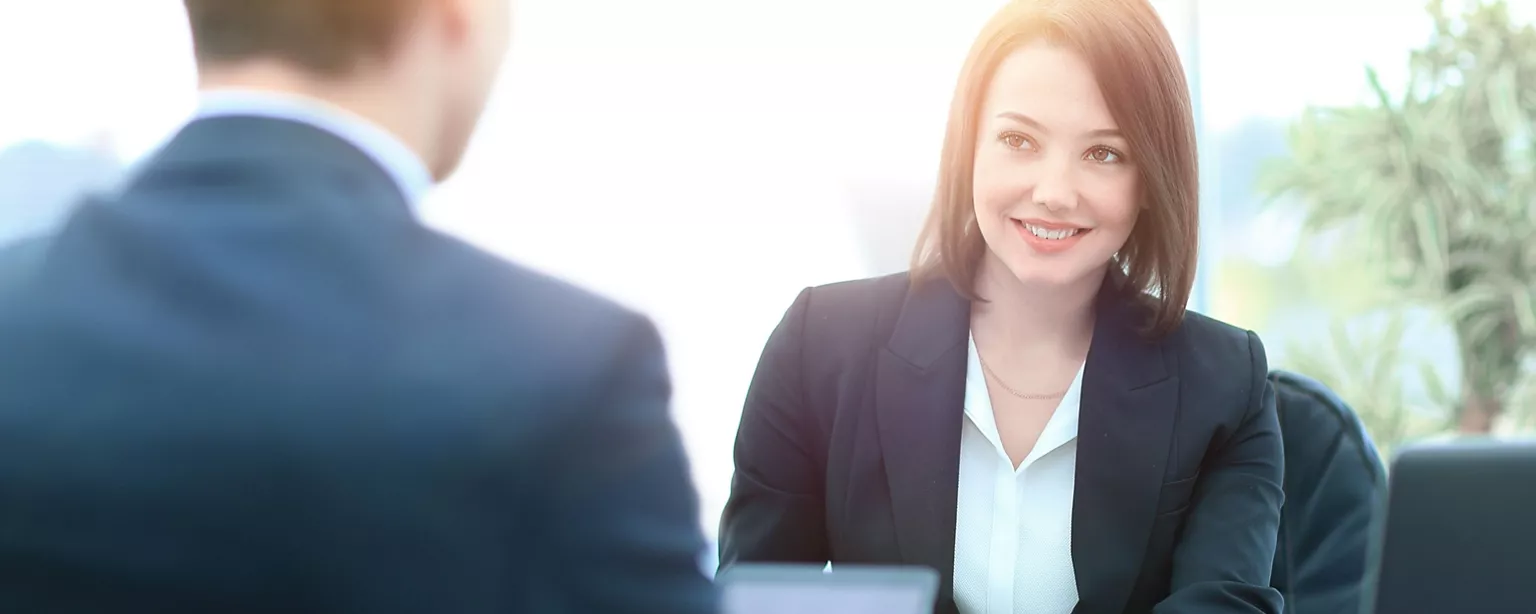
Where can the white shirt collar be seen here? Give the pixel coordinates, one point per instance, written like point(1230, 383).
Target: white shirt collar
point(1059, 429)
point(399, 161)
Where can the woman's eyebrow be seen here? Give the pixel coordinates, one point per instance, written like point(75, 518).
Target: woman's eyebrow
point(1034, 123)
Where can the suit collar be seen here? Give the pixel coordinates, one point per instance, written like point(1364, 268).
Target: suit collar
point(933, 323)
point(397, 159)
point(277, 155)
point(1129, 397)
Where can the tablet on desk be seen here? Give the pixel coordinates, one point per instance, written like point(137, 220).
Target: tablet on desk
point(763, 588)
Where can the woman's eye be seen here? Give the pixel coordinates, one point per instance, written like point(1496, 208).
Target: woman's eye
point(1104, 155)
point(1015, 140)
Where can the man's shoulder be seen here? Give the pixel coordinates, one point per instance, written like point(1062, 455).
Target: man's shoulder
point(19, 259)
point(532, 311)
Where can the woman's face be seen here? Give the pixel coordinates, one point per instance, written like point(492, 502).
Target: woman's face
point(1055, 187)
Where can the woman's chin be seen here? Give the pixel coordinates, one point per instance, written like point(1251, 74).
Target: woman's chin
point(1057, 276)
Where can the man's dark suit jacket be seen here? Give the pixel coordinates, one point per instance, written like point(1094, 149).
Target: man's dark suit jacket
point(253, 382)
point(849, 450)
point(18, 260)
point(1335, 485)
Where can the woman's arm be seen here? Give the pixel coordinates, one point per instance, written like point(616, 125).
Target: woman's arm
point(775, 511)
point(1224, 557)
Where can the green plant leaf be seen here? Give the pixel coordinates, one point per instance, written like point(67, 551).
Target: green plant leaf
point(1435, 190)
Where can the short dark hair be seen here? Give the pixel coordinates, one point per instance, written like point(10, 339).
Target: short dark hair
point(324, 36)
point(1138, 70)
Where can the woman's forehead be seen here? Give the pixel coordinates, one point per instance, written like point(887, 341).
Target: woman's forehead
point(1050, 84)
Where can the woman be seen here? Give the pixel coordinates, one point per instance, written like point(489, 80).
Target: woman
point(1030, 411)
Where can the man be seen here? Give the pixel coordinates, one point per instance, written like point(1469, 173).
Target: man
point(18, 259)
point(252, 381)
point(1335, 486)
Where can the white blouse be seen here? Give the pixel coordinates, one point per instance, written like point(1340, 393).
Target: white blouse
point(1013, 529)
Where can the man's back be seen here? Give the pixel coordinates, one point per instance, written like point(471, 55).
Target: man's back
point(254, 383)
point(17, 260)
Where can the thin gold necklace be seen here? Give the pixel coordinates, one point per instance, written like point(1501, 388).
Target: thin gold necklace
point(1023, 395)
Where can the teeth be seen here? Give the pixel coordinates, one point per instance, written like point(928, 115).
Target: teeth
point(1051, 234)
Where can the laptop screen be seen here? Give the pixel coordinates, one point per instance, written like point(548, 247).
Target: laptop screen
point(1458, 535)
point(794, 589)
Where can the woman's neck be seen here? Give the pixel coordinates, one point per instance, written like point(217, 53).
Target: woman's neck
point(1030, 318)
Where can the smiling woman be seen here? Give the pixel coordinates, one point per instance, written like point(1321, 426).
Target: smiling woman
point(942, 417)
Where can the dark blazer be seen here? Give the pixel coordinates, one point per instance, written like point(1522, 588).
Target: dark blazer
point(849, 450)
point(1335, 485)
point(254, 382)
point(18, 260)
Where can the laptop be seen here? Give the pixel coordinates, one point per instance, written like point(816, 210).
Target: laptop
point(1459, 534)
point(762, 588)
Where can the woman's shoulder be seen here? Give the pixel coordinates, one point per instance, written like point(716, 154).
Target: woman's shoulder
point(839, 321)
point(1218, 354)
point(1212, 335)
point(854, 300)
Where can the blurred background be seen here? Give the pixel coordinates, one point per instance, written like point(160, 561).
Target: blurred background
point(1369, 173)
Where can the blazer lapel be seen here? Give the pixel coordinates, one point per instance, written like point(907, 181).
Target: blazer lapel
point(1125, 433)
point(919, 401)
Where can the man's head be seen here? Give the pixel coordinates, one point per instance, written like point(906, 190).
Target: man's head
point(421, 68)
